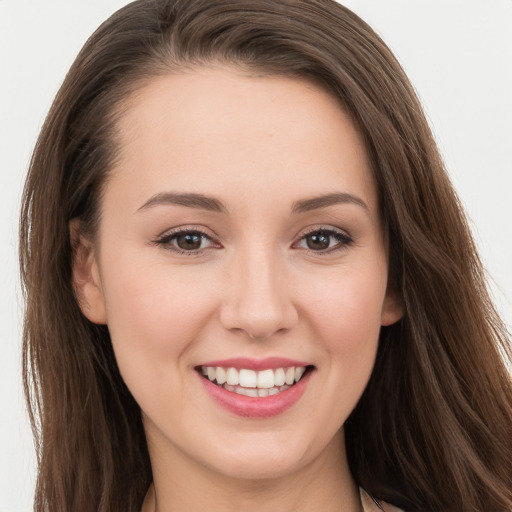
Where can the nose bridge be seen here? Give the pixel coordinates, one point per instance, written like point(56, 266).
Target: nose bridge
point(257, 301)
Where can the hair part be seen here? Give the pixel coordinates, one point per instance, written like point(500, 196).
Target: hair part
point(433, 430)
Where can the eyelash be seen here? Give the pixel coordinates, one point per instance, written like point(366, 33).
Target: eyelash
point(167, 239)
point(343, 240)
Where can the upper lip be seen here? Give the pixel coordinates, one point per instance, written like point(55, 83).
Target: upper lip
point(268, 363)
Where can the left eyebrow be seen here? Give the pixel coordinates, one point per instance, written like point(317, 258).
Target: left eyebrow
point(323, 201)
point(189, 200)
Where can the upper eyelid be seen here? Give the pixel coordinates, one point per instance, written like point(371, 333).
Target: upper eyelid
point(344, 242)
point(321, 227)
point(188, 229)
point(165, 240)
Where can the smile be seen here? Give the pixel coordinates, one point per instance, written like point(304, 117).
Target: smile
point(252, 383)
point(255, 388)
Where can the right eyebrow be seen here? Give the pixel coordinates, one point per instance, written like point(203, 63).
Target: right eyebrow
point(324, 201)
point(190, 200)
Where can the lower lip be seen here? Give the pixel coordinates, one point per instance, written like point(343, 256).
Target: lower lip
point(250, 407)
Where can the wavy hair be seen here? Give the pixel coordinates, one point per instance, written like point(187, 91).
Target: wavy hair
point(433, 429)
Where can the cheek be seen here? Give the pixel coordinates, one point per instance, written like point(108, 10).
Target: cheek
point(345, 313)
point(154, 314)
point(351, 300)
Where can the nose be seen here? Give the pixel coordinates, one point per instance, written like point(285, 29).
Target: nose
point(257, 299)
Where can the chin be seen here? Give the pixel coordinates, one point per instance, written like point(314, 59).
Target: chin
point(260, 469)
point(271, 457)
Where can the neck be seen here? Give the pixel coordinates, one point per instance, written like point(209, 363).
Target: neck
point(323, 484)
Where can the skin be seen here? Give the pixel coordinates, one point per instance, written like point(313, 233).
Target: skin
point(253, 289)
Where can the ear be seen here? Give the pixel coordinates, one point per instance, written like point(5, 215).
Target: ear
point(392, 308)
point(86, 276)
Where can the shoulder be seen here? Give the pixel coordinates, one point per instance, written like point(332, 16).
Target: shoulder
point(369, 505)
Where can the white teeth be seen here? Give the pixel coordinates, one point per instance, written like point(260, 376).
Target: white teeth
point(246, 391)
point(290, 376)
point(279, 377)
point(220, 376)
point(232, 377)
point(240, 391)
point(248, 378)
point(253, 392)
point(265, 379)
point(263, 383)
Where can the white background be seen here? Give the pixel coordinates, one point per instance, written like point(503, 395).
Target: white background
point(458, 54)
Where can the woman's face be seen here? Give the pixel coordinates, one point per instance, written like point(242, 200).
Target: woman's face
point(240, 237)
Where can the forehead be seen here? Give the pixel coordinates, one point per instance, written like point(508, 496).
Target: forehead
point(213, 126)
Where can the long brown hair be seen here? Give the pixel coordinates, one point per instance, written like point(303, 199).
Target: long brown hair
point(433, 430)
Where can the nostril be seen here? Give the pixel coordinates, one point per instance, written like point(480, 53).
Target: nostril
point(258, 327)
point(258, 309)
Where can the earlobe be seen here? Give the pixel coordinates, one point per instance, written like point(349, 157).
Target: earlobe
point(85, 276)
point(392, 308)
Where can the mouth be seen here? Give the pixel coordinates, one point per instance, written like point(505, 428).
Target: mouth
point(254, 383)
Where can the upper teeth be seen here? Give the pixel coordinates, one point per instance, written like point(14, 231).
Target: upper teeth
point(264, 379)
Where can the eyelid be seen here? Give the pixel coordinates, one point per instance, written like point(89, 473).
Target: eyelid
point(346, 239)
point(187, 228)
point(164, 239)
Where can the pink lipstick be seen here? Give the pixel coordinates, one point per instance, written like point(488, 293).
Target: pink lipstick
point(255, 388)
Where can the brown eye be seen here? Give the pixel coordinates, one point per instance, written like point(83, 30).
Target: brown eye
point(318, 241)
point(189, 241)
point(324, 240)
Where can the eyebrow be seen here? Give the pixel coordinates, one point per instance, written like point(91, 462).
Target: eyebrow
point(191, 200)
point(202, 202)
point(323, 201)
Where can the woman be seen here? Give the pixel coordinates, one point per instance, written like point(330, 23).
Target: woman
point(255, 286)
